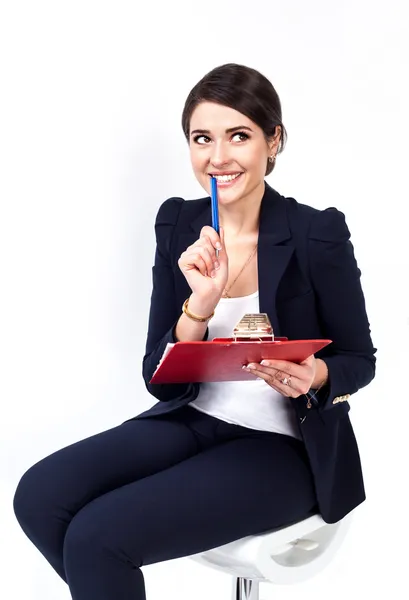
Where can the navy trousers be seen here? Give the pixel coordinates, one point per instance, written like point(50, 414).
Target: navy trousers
point(154, 489)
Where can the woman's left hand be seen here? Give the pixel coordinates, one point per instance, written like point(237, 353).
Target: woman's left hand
point(288, 378)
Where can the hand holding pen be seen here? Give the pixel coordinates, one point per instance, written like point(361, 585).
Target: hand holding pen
point(205, 264)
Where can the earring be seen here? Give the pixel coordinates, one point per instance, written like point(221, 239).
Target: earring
point(272, 158)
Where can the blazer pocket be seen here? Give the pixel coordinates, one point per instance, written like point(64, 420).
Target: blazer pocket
point(330, 415)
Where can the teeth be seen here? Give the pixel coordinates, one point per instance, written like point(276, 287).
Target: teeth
point(225, 178)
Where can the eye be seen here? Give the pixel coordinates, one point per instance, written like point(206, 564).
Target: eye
point(201, 139)
point(241, 135)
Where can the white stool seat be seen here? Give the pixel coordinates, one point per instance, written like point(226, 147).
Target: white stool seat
point(283, 556)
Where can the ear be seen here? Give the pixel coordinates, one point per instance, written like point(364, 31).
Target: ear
point(274, 141)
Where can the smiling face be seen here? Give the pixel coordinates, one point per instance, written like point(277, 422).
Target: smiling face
point(225, 143)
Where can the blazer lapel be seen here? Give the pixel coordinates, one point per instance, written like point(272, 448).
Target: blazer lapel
point(273, 258)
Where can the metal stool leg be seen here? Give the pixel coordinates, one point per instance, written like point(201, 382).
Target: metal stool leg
point(245, 589)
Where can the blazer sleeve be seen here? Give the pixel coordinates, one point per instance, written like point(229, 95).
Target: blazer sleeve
point(341, 307)
point(164, 312)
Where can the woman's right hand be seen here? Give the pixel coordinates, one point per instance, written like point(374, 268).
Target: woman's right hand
point(205, 273)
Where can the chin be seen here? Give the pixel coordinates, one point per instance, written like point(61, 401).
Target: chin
point(227, 195)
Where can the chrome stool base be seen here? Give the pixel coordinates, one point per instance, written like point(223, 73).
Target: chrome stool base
point(245, 589)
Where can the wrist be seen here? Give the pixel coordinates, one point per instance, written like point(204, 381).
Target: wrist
point(202, 306)
point(321, 374)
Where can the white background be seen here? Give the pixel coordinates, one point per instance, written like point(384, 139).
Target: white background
point(91, 145)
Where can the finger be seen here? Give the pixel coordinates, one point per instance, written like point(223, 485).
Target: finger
point(205, 255)
point(189, 261)
point(222, 254)
point(271, 374)
point(222, 241)
point(277, 377)
point(275, 384)
point(285, 380)
point(263, 366)
point(206, 243)
point(213, 236)
point(286, 366)
point(257, 372)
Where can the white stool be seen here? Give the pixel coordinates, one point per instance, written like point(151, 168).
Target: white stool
point(288, 555)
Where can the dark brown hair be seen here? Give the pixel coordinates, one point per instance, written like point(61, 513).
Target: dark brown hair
point(247, 91)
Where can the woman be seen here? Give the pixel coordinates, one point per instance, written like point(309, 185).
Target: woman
point(215, 462)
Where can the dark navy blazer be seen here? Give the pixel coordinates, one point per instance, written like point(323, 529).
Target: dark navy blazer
point(309, 285)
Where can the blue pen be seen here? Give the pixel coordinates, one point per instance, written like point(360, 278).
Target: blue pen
point(215, 209)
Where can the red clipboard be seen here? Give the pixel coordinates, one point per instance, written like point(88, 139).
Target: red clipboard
point(222, 359)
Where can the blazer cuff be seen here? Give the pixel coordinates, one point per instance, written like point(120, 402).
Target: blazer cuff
point(337, 389)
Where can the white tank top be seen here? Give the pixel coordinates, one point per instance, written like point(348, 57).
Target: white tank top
point(252, 404)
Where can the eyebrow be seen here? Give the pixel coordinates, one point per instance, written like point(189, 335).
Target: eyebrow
point(230, 130)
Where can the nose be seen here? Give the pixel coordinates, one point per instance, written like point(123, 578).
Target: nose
point(220, 155)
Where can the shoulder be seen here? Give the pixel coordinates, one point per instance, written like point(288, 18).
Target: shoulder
point(175, 208)
point(327, 225)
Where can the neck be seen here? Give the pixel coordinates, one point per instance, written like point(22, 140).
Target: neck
point(242, 217)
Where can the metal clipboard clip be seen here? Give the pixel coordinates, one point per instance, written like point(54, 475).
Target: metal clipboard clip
point(254, 327)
